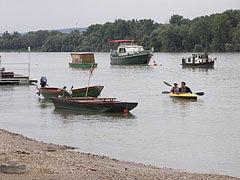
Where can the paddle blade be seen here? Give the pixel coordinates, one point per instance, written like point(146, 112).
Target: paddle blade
point(199, 93)
point(167, 83)
point(165, 92)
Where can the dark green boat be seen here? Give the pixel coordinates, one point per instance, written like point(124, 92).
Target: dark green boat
point(102, 105)
point(48, 92)
point(129, 53)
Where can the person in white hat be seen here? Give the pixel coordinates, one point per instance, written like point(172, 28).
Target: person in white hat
point(175, 88)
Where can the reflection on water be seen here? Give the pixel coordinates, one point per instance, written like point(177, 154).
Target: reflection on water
point(7, 87)
point(80, 69)
point(131, 67)
point(44, 103)
point(66, 114)
point(198, 69)
point(183, 101)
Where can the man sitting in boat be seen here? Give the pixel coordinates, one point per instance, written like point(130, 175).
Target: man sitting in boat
point(184, 88)
point(175, 88)
point(66, 93)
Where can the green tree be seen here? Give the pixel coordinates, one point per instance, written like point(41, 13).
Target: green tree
point(170, 39)
point(176, 19)
point(221, 30)
point(201, 30)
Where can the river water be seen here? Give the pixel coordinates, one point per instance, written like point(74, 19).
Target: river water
point(200, 136)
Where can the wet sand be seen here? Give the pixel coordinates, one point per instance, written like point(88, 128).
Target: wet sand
point(56, 162)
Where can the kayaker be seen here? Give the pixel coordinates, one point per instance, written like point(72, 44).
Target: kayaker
point(184, 88)
point(175, 88)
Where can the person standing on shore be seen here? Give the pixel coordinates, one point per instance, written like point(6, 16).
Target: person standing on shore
point(184, 88)
point(175, 88)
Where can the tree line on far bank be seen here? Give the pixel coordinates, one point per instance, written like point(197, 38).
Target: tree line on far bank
point(217, 32)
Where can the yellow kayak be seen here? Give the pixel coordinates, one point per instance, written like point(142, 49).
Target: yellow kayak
point(184, 96)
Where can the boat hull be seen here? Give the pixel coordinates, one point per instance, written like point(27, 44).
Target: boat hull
point(85, 65)
point(93, 105)
point(189, 96)
point(93, 91)
point(131, 59)
point(199, 65)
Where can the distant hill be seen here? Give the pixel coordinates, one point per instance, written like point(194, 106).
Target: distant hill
point(66, 31)
point(69, 30)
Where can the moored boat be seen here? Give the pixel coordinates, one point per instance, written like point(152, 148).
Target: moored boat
point(189, 96)
point(198, 60)
point(83, 60)
point(129, 53)
point(49, 92)
point(102, 105)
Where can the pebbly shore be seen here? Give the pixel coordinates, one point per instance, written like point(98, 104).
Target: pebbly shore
point(56, 162)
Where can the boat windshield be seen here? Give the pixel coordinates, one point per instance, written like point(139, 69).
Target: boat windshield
point(128, 44)
point(200, 56)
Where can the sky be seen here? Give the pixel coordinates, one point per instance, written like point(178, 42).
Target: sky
point(33, 15)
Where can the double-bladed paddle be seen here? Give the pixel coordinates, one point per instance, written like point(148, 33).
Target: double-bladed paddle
point(167, 84)
point(167, 92)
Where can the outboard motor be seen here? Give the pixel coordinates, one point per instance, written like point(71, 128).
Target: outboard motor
point(43, 81)
point(65, 93)
point(2, 69)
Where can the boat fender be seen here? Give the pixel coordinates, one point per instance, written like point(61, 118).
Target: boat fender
point(154, 63)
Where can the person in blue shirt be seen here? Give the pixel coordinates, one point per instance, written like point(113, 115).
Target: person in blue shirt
point(175, 88)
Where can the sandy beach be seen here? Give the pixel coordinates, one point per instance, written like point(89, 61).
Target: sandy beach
point(56, 162)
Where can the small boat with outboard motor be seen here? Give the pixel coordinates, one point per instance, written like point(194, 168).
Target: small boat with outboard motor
point(49, 92)
point(90, 104)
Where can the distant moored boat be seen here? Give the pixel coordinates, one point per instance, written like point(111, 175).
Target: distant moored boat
point(129, 53)
point(82, 60)
point(198, 60)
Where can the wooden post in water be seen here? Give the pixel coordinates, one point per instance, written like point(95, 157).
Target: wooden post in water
point(29, 49)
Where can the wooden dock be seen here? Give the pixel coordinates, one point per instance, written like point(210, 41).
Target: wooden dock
point(10, 77)
point(15, 79)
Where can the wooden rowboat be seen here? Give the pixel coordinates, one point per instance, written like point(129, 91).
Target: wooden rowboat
point(89, 104)
point(48, 92)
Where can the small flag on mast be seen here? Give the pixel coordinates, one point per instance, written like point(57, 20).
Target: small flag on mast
point(91, 70)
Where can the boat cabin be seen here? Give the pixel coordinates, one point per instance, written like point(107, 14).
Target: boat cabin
point(197, 59)
point(129, 48)
point(126, 47)
point(82, 58)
